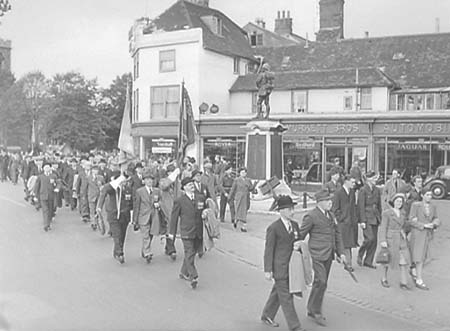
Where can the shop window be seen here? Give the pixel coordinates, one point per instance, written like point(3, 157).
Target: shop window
point(254, 102)
point(429, 101)
point(136, 66)
point(167, 61)
point(299, 101)
point(135, 116)
point(230, 148)
point(348, 102)
point(236, 65)
point(400, 102)
point(165, 102)
point(366, 98)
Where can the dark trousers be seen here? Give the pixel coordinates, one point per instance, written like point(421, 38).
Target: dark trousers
point(191, 246)
point(280, 296)
point(170, 246)
point(47, 211)
point(118, 229)
point(321, 273)
point(223, 206)
point(84, 207)
point(67, 197)
point(369, 245)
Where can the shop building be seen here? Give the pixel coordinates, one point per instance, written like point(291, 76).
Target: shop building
point(382, 101)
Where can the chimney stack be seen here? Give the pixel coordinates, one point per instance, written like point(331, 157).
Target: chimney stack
point(331, 20)
point(438, 25)
point(366, 34)
point(283, 23)
point(260, 22)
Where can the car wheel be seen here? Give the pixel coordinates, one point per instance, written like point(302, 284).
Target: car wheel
point(438, 191)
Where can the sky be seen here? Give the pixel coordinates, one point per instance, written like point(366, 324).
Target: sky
point(91, 36)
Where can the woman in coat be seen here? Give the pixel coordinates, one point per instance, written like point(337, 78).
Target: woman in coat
point(392, 236)
point(240, 193)
point(423, 220)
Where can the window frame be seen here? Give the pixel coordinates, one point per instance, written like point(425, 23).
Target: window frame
point(164, 101)
point(236, 65)
point(136, 66)
point(161, 61)
point(363, 96)
point(346, 97)
point(293, 93)
point(135, 115)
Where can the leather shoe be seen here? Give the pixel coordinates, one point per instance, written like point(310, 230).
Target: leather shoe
point(269, 322)
point(359, 260)
point(194, 283)
point(349, 268)
point(405, 287)
point(422, 286)
point(173, 256)
point(371, 266)
point(320, 320)
point(120, 259)
point(385, 283)
point(183, 276)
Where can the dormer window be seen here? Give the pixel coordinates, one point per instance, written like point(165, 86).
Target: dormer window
point(214, 23)
point(256, 39)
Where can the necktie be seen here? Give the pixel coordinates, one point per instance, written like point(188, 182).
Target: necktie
point(396, 185)
point(289, 227)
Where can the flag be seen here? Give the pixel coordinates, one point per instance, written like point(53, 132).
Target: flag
point(125, 139)
point(186, 126)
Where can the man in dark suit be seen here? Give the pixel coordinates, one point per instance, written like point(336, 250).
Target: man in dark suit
point(198, 185)
point(369, 205)
point(282, 237)
point(137, 180)
point(147, 213)
point(45, 194)
point(344, 209)
point(118, 196)
point(325, 241)
point(188, 211)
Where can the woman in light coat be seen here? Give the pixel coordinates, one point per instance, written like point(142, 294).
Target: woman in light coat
point(392, 236)
point(423, 220)
point(240, 193)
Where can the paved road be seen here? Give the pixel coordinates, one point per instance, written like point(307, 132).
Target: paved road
point(68, 280)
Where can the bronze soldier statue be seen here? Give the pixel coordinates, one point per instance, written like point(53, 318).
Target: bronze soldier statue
point(264, 82)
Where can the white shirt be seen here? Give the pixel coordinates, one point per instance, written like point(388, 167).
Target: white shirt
point(287, 225)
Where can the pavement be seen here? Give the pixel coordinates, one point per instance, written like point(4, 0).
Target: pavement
point(427, 308)
point(66, 278)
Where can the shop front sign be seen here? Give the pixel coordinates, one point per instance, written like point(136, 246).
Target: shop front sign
point(162, 146)
point(443, 147)
point(413, 147)
point(412, 128)
point(338, 129)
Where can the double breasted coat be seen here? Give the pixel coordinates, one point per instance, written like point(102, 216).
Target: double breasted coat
point(188, 214)
point(392, 231)
point(344, 209)
point(420, 214)
point(325, 238)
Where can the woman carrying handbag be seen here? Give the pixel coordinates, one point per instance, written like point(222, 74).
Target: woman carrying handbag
point(393, 238)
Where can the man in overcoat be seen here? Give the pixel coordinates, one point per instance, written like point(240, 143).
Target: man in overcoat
point(344, 209)
point(45, 194)
point(393, 186)
point(282, 237)
point(147, 213)
point(369, 206)
point(325, 241)
point(188, 212)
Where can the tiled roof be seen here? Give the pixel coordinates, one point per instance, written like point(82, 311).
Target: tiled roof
point(320, 79)
point(187, 15)
point(411, 61)
point(275, 39)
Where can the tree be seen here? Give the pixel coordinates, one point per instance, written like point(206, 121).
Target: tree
point(6, 111)
point(74, 118)
point(5, 6)
point(111, 107)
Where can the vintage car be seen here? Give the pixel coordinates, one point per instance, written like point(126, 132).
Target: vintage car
point(314, 173)
point(440, 182)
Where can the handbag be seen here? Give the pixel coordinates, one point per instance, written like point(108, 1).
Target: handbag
point(383, 256)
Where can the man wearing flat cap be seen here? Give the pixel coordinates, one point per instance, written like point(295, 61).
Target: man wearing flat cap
point(147, 213)
point(282, 238)
point(325, 241)
point(188, 212)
